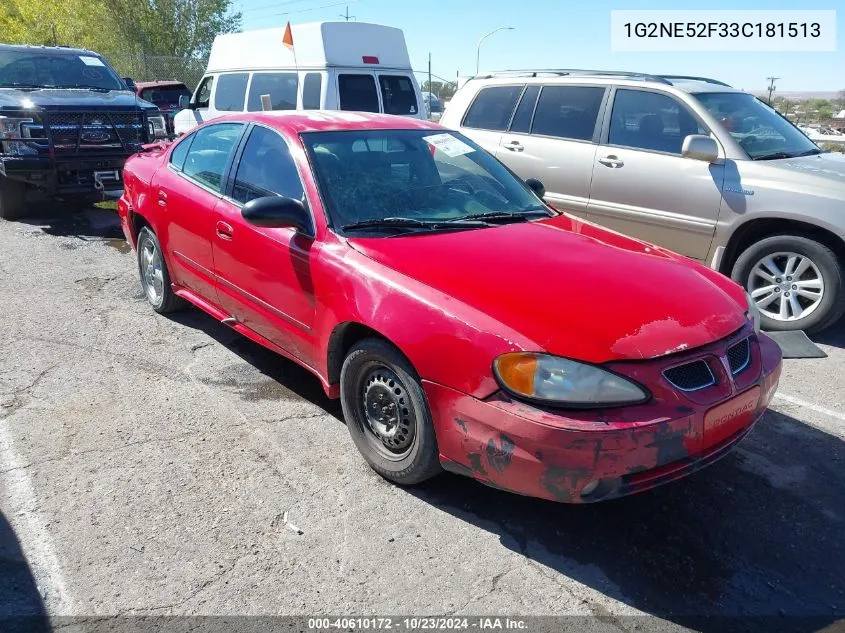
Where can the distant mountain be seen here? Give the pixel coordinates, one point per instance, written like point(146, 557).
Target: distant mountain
point(832, 95)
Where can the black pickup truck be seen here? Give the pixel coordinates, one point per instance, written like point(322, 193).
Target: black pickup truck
point(68, 122)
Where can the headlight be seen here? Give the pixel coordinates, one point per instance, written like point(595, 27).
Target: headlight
point(156, 126)
point(753, 313)
point(11, 127)
point(557, 381)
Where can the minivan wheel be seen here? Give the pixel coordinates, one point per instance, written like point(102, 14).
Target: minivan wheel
point(12, 199)
point(387, 413)
point(796, 282)
point(155, 279)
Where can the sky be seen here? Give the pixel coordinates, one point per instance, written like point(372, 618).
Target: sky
point(561, 34)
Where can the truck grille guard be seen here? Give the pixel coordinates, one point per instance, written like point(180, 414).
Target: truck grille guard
point(87, 133)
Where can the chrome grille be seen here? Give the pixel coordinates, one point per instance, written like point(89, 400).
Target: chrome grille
point(72, 132)
point(739, 356)
point(691, 376)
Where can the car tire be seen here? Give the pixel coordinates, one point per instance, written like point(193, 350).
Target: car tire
point(376, 376)
point(12, 199)
point(155, 278)
point(753, 270)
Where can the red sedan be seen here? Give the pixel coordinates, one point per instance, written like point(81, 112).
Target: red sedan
point(463, 323)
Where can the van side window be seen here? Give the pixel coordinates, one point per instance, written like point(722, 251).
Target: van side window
point(568, 111)
point(231, 92)
point(398, 94)
point(525, 110)
point(650, 121)
point(280, 86)
point(209, 153)
point(493, 107)
point(266, 168)
point(312, 91)
point(358, 92)
point(203, 95)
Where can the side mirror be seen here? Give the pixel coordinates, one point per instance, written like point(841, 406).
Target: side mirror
point(700, 147)
point(537, 187)
point(130, 83)
point(276, 212)
point(185, 102)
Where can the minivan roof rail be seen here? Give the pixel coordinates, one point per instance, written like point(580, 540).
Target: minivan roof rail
point(570, 72)
point(692, 78)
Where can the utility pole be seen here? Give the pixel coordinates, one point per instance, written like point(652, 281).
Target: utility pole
point(346, 15)
point(772, 81)
point(55, 37)
point(429, 74)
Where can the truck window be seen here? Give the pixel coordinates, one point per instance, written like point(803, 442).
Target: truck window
point(358, 93)
point(398, 95)
point(231, 92)
point(493, 107)
point(312, 89)
point(280, 86)
point(568, 112)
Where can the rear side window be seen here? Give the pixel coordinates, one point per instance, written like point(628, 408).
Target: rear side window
point(522, 118)
point(492, 108)
point(266, 168)
point(209, 153)
point(398, 94)
point(358, 92)
point(568, 112)
point(177, 156)
point(312, 91)
point(231, 92)
point(650, 121)
point(280, 86)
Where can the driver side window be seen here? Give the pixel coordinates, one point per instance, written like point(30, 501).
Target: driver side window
point(203, 94)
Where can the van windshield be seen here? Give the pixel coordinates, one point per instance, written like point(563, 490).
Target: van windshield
point(763, 133)
point(49, 68)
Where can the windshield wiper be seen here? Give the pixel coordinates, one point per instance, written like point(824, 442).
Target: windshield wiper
point(776, 155)
point(522, 216)
point(23, 86)
point(410, 223)
point(83, 87)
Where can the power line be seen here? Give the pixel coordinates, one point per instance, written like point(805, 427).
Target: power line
point(346, 16)
point(325, 6)
point(275, 5)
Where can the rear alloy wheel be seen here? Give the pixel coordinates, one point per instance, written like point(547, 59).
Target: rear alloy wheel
point(387, 413)
point(12, 199)
point(796, 282)
point(154, 276)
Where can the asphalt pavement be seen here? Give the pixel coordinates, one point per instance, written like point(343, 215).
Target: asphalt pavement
point(165, 465)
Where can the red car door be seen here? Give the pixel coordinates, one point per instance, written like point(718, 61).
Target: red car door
point(187, 192)
point(264, 274)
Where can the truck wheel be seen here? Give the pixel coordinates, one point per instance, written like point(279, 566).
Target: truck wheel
point(796, 282)
point(387, 413)
point(154, 275)
point(12, 199)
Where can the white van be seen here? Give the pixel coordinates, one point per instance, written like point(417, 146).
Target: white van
point(333, 66)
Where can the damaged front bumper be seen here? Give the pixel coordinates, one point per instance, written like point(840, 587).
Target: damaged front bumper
point(588, 456)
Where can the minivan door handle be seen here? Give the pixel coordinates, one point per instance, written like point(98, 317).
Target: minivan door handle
point(225, 231)
point(514, 146)
point(611, 161)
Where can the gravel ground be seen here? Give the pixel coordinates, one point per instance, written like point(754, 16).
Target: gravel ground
point(154, 465)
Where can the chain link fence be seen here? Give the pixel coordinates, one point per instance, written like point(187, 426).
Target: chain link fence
point(142, 67)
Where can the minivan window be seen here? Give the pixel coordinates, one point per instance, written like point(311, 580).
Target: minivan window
point(492, 108)
point(650, 121)
point(358, 93)
point(209, 153)
point(280, 86)
point(568, 112)
point(231, 92)
point(266, 168)
point(312, 89)
point(525, 110)
point(398, 94)
point(203, 96)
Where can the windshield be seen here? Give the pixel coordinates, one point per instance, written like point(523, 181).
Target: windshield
point(412, 178)
point(761, 131)
point(56, 69)
point(165, 96)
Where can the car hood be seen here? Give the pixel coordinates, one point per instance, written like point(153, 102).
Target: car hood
point(573, 288)
point(830, 166)
point(69, 99)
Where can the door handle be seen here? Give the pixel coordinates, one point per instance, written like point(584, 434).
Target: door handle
point(611, 161)
point(225, 231)
point(162, 198)
point(514, 146)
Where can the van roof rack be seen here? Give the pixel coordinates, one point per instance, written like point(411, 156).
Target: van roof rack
point(693, 78)
point(573, 72)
